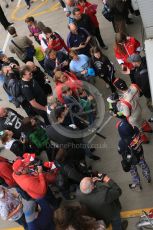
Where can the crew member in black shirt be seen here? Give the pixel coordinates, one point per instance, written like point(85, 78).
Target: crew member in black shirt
point(40, 77)
point(33, 93)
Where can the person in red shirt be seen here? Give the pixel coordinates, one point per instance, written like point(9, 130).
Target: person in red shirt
point(33, 182)
point(54, 40)
point(91, 10)
point(65, 78)
point(6, 172)
point(125, 46)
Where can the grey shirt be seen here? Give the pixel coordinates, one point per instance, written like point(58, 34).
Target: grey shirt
point(22, 42)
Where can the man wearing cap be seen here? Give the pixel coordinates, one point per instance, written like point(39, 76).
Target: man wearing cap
point(11, 207)
point(33, 182)
point(141, 78)
point(130, 107)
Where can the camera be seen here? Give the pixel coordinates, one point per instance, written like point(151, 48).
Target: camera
point(33, 166)
point(52, 36)
point(101, 176)
point(12, 65)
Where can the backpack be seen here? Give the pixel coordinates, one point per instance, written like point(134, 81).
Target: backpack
point(13, 88)
point(129, 158)
point(39, 138)
point(15, 92)
point(30, 50)
point(106, 12)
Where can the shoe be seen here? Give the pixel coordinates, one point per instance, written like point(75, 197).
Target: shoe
point(92, 149)
point(10, 24)
point(135, 187)
point(71, 197)
point(28, 7)
point(124, 224)
point(149, 180)
point(146, 127)
point(144, 139)
point(150, 119)
point(104, 47)
point(95, 158)
point(1, 149)
point(11, 101)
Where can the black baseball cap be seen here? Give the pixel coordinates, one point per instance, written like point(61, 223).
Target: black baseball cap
point(134, 58)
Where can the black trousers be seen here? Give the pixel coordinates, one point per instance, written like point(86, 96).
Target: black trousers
point(132, 76)
point(3, 19)
point(28, 109)
point(112, 87)
point(98, 36)
point(44, 115)
point(62, 3)
point(27, 2)
point(130, 7)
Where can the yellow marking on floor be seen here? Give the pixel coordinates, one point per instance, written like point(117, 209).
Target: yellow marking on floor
point(50, 9)
point(134, 213)
point(15, 228)
point(124, 215)
point(20, 228)
point(34, 9)
point(13, 16)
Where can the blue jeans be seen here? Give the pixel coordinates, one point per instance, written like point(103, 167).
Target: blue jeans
point(44, 220)
point(1, 80)
point(22, 222)
point(1, 84)
point(116, 223)
point(53, 201)
point(41, 63)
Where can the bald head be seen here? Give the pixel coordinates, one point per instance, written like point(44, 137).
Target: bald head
point(31, 65)
point(86, 185)
point(3, 112)
point(69, 2)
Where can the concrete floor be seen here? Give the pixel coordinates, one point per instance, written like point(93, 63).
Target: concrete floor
point(110, 160)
